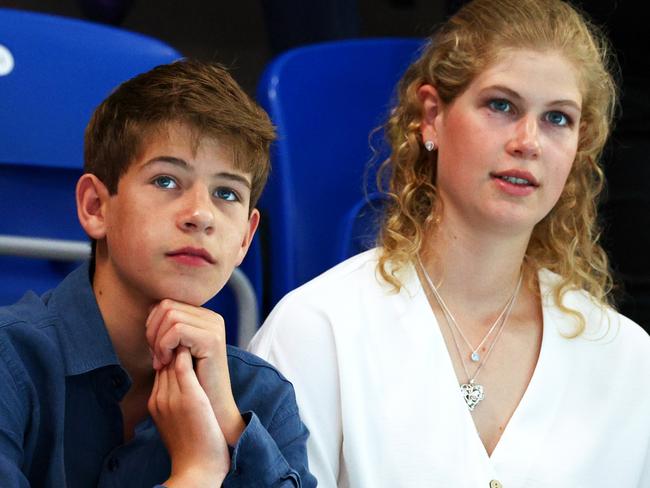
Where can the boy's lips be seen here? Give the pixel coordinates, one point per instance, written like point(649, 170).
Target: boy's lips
point(192, 254)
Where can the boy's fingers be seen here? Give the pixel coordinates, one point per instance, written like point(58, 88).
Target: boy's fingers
point(156, 362)
point(168, 312)
point(163, 321)
point(165, 344)
point(162, 397)
point(172, 324)
point(168, 303)
point(183, 360)
point(184, 371)
point(200, 342)
point(153, 323)
point(172, 378)
point(152, 404)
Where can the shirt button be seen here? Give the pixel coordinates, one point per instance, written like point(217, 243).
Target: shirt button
point(495, 484)
point(113, 464)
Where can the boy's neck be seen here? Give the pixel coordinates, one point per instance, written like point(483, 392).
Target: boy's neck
point(125, 313)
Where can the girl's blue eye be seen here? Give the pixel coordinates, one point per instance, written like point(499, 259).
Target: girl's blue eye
point(558, 118)
point(165, 182)
point(500, 105)
point(226, 194)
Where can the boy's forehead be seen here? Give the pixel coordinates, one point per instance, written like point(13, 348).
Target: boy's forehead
point(182, 141)
point(183, 136)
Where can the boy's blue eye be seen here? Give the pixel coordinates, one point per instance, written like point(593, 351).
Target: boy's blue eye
point(166, 182)
point(500, 105)
point(558, 118)
point(226, 194)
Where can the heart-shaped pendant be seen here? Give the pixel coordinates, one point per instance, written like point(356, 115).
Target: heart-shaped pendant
point(472, 394)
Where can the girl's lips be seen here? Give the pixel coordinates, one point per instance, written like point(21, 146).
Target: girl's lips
point(516, 177)
point(516, 186)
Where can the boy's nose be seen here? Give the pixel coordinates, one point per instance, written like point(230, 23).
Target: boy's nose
point(197, 215)
point(525, 139)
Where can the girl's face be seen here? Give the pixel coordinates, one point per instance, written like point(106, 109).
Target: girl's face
point(506, 145)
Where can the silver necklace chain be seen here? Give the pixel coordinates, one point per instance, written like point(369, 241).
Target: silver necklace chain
point(472, 392)
point(474, 356)
point(472, 378)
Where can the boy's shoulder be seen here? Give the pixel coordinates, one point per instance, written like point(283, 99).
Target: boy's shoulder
point(62, 327)
point(243, 364)
point(34, 312)
point(32, 366)
point(257, 386)
point(30, 310)
point(27, 324)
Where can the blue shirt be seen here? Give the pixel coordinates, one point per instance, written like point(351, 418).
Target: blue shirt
point(60, 419)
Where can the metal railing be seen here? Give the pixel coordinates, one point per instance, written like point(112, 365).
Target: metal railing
point(68, 250)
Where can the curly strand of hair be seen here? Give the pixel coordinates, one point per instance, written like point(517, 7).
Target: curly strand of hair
point(412, 197)
point(581, 261)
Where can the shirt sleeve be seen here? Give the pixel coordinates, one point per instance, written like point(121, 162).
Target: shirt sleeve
point(297, 339)
point(271, 457)
point(12, 419)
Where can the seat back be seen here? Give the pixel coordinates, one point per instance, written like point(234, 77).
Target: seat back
point(54, 71)
point(325, 100)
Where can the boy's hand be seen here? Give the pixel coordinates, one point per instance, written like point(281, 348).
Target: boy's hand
point(172, 324)
point(187, 425)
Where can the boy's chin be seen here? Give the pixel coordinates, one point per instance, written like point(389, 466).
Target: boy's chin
point(196, 298)
point(188, 289)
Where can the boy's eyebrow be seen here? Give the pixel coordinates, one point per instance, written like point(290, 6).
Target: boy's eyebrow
point(234, 177)
point(169, 159)
point(513, 94)
point(181, 163)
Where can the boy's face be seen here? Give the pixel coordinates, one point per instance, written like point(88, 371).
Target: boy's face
point(179, 222)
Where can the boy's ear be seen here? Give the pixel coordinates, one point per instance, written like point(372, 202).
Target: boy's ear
point(92, 197)
point(431, 111)
point(253, 223)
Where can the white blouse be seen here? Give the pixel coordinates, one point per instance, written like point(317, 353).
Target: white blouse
point(377, 390)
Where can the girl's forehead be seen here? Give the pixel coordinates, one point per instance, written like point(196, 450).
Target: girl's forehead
point(526, 69)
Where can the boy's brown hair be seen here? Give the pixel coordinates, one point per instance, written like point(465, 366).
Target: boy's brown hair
point(202, 96)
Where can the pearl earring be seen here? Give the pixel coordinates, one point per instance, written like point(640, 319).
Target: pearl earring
point(429, 145)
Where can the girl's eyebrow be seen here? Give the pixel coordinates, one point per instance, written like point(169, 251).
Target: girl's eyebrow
point(518, 98)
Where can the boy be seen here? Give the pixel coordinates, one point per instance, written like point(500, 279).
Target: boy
point(175, 160)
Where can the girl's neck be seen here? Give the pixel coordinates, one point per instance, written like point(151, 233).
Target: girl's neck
point(473, 270)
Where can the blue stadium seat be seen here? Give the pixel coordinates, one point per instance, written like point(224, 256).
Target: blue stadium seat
point(325, 100)
point(54, 71)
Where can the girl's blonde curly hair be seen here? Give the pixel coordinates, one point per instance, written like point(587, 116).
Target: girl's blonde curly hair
point(566, 240)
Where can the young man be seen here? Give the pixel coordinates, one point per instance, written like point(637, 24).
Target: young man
point(175, 160)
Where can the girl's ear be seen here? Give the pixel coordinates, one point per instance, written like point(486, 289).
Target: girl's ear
point(92, 198)
point(431, 110)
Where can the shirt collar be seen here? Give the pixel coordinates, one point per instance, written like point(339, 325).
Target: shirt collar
point(85, 343)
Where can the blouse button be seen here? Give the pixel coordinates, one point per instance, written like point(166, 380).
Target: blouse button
point(495, 484)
